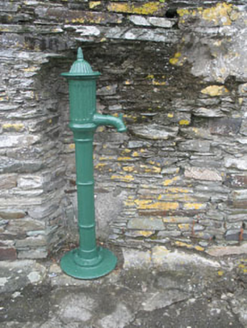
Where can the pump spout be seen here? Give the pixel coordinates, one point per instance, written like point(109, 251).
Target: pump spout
point(117, 122)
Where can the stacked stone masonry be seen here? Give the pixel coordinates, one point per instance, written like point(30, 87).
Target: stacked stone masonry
point(177, 70)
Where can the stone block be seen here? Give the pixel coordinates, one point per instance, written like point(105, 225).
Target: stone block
point(142, 34)
point(198, 173)
point(136, 258)
point(138, 144)
point(121, 316)
point(20, 227)
point(30, 182)
point(11, 165)
point(201, 146)
point(238, 163)
point(161, 22)
point(62, 14)
point(11, 213)
point(243, 129)
point(239, 194)
point(225, 126)
point(242, 89)
point(239, 204)
point(18, 141)
point(235, 180)
point(8, 181)
point(148, 8)
point(227, 250)
point(139, 20)
point(40, 253)
point(194, 206)
point(235, 234)
point(168, 234)
point(31, 242)
point(139, 233)
point(108, 90)
point(177, 259)
point(154, 131)
point(215, 90)
point(13, 127)
point(208, 112)
point(41, 212)
point(170, 170)
point(8, 254)
point(177, 219)
point(197, 133)
point(145, 224)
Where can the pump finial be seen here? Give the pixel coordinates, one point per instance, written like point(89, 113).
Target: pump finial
point(79, 53)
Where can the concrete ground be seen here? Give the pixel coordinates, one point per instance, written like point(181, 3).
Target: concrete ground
point(153, 288)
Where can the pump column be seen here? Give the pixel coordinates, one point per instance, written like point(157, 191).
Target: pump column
point(85, 195)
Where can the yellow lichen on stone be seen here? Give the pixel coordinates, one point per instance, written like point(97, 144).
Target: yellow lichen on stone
point(176, 190)
point(189, 246)
point(100, 165)
point(82, 20)
point(72, 146)
point(13, 126)
point(199, 248)
point(170, 115)
point(123, 178)
point(145, 233)
point(220, 14)
point(182, 244)
point(194, 206)
point(135, 154)
point(142, 201)
point(123, 159)
point(220, 273)
point(162, 206)
point(93, 4)
point(158, 254)
point(106, 158)
point(153, 169)
point(184, 122)
point(182, 12)
point(128, 168)
point(149, 8)
point(184, 226)
point(31, 69)
point(158, 83)
point(215, 90)
point(243, 266)
point(175, 59)
point(170, 181)
point(126, 151)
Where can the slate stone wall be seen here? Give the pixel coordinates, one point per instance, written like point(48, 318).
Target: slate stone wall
point(177, 70)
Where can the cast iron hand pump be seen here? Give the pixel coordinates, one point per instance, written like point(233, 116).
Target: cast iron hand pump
point(88, 261)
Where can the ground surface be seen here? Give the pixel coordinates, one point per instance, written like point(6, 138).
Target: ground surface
point(157, 288)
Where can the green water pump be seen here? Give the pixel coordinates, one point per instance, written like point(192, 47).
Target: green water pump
point(88, 261)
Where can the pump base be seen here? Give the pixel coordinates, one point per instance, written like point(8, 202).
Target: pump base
point(106, 263)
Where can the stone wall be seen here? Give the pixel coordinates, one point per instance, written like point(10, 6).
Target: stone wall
point(177, 70)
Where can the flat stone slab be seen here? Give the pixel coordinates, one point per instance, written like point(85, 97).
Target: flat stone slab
point(146, 290)
point(18, 274)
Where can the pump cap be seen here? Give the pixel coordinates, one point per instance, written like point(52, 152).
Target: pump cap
point(80, 67)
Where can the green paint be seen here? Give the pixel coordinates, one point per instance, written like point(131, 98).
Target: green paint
point(88, 261)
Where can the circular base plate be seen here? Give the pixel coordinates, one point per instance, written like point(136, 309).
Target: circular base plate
point(106, 264)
